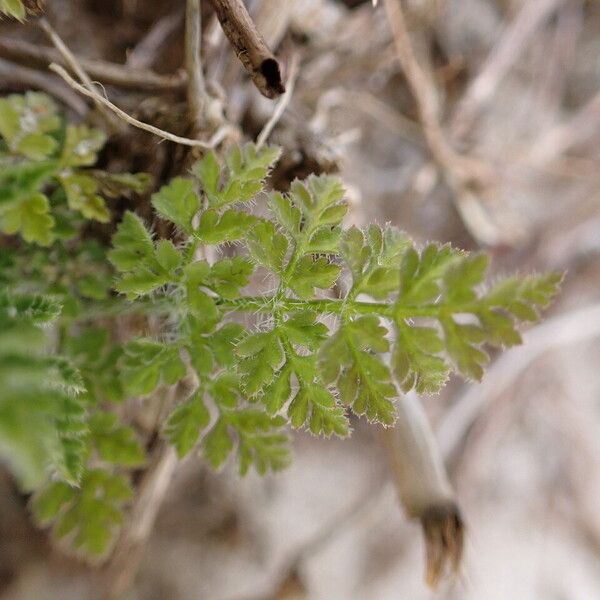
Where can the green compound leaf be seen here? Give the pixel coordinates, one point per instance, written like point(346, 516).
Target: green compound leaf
point(55, 418)
point(26, 123)
point(244, 177)
point(216, 228)
point(116, 444)
point(185, 424)
point(228, 276)
point(261, 356)
point(146, 363)
point(349, 360)
point(311, 273)
point(31, 218)
point(13, 8)
point(90, 516)
point(81, 191)
point(315, 405)
point(415, 359)
point(177, 202)
point(217, 444)
point(81, 146)
point(267, 246)
point(143, 266)
point(373, 258)
point(261, 441)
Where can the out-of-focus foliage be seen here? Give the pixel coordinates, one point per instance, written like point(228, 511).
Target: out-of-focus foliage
point(45, 185)
point(13, 8)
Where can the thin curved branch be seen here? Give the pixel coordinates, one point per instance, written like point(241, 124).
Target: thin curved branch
point(216, 139)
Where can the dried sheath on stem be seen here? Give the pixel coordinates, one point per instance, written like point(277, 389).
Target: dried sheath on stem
point(422, 483)
point(250, 46)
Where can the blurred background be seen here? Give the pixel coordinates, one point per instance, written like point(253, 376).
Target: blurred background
point(498, 150)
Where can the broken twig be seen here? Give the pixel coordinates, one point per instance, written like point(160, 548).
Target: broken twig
point(418, 472)
point(250, 47)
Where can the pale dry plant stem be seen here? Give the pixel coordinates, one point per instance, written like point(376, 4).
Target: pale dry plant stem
point(216, 139)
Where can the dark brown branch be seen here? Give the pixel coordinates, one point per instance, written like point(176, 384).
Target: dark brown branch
point(28, 54)
point(250, 47)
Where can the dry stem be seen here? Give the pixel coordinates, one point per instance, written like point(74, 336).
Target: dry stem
point(196, 89)
point(137, 78)
point(449, 160)
point(418, 472)
point(461, 173)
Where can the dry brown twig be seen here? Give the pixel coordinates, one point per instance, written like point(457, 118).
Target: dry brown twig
point(120, 572)
point(250, 47)
point(126, 558)
point(216, 139)
point(35, 55)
